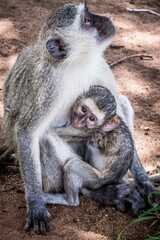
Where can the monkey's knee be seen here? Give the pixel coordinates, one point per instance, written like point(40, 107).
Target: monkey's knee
point(72, 183)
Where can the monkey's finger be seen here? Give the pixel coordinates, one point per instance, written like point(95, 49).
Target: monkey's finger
point(121, 206)
point(28, 224)
point(48, 227)
point(48, 215)
point(137, 203)
point(36, 227)
point(43, 229)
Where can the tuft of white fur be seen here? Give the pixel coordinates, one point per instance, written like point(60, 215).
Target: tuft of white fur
point(97, 160)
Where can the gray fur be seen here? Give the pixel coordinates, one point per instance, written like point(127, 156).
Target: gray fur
point(33, 94)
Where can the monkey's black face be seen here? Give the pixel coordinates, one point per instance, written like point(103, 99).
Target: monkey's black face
point(103, 25)
point(78, 33)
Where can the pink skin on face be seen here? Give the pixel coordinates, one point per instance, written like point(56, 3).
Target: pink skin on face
point(84, 117)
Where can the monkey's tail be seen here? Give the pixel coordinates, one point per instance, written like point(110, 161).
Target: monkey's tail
point(142, 181)
point(140, 176)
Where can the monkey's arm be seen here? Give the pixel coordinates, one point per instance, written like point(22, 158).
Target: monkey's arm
point(70, 133)
point(37, 213)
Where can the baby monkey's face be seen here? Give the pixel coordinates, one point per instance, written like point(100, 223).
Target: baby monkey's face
point(86, 114)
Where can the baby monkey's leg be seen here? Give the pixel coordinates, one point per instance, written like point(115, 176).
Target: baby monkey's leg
point(77, 174)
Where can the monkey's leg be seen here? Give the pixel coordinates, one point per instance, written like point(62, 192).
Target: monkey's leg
point(120, 195)
point(55, 198)
point(37, 214)
point(53, 159)
point(142, 180)
point(79, 174)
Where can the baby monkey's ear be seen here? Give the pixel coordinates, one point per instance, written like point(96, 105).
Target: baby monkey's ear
point(111, 124)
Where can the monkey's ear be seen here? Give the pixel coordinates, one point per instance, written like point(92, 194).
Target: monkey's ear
point(111, 124)
point(57, 48)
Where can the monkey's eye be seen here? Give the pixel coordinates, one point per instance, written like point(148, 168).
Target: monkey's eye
point(84, 109)
point(92, 118)
point(87, 21)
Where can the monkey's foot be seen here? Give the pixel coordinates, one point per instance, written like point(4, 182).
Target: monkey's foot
point(38, 217)
point(121, 196)
point(129, 198)
point(59, 198)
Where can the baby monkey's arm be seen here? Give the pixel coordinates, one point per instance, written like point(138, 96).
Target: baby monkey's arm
point(70, 133)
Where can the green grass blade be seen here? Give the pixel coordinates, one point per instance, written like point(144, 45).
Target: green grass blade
point(135, 221)
point(157, 234)
point(154, 209)
point(140, 219)
point(153, 238)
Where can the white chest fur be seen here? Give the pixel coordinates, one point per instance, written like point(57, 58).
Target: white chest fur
point(95, 158)
point(73, 80)
point(77, 79)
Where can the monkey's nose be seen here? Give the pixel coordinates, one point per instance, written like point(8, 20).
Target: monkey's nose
point(77, 123)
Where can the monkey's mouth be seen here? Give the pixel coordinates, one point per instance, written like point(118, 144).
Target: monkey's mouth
point(75, 125)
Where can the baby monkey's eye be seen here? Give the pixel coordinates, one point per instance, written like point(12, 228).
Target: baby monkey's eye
point(92, 118)
point(84, 109)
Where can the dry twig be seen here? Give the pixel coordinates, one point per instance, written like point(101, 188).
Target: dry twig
point(141, 56)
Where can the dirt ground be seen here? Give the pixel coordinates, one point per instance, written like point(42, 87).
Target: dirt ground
point(139, 79)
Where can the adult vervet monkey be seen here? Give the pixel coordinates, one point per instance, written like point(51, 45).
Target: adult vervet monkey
point(46, 79)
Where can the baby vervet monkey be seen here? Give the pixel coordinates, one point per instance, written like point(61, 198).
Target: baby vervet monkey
point(108, 155)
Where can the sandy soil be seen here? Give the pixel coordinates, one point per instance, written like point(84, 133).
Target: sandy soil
point(139, 79)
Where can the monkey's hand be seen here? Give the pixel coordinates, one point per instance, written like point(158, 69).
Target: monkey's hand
point(38, 217)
